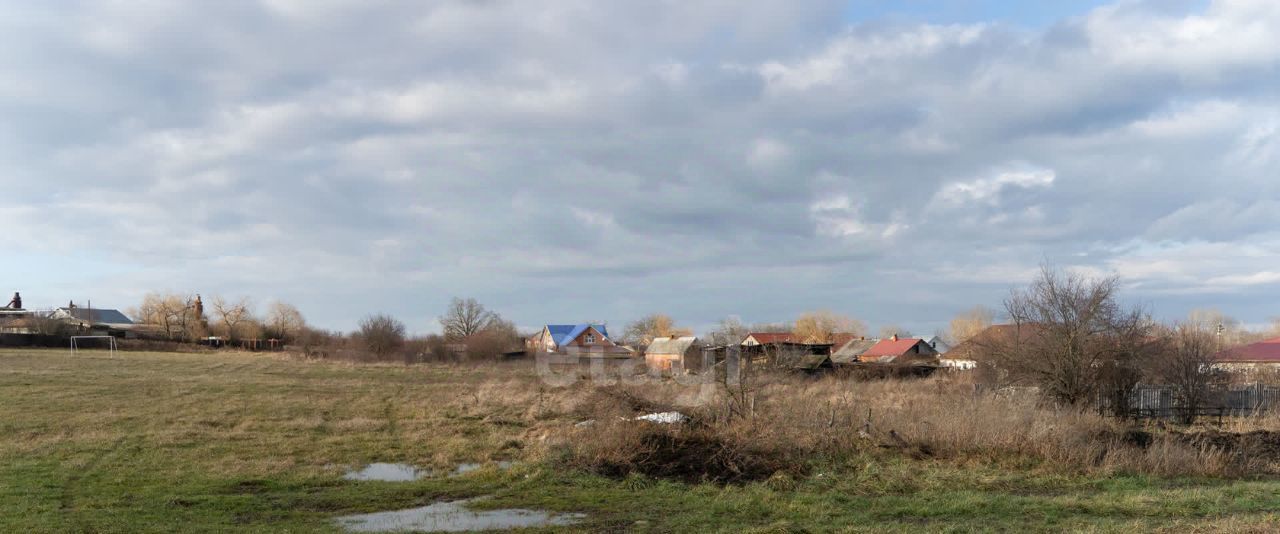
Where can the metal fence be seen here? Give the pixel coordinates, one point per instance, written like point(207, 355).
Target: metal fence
point(1160, 402)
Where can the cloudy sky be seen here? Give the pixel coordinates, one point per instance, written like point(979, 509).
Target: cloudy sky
point(574, 160)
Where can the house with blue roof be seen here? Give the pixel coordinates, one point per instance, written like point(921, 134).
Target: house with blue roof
point(584, 339)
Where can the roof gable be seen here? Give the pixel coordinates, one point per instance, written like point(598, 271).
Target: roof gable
point(671, 345)
point(765, 338)
point(893, 347)
point(565, 333)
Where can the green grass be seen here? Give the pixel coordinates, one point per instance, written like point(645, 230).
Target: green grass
point(158, 442)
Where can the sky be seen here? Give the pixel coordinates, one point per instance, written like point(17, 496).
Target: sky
point(897, 162)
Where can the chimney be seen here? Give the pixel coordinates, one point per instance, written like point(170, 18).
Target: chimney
point(895, 337)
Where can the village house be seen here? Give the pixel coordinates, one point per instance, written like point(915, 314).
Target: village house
point(900, 351)
point(782, 349)
point(938, 344)
point(1260, 356)
point(105, 320)
point(584, 340)
point(675, 354)
point(978, 349)
point(756, 339)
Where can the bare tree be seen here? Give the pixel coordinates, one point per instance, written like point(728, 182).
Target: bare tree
point(500, 337)
point(643, 331)
point(970, 323)
point(381, 334)
point(1186, 363)
point(1071, 335)
point(173, 314)
point(731, 331)
point(466, 318)
point(284, 321)
point(232, 315)
point(819, 326)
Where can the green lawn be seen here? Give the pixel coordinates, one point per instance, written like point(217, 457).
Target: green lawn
point(216, 442)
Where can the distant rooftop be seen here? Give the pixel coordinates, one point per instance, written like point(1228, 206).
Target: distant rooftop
point(96, 315)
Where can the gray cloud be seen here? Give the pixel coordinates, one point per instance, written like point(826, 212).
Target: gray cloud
point(606, 160)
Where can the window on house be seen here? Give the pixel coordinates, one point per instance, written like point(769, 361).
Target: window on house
point(591, 338)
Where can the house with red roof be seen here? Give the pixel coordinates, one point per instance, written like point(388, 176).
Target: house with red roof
point(755, 339)
point(900, 350)
point(1254, 356)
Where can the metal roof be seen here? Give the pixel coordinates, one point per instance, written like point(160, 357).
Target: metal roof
point(810, 362)
point(671, 345)
point(849, 352)
point(888, 349)
point(97, 315)
point(564, 333)
point(1262, 351)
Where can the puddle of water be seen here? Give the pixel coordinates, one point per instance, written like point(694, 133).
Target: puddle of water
point(387, 473)
point(463, 469)
point(454, 517)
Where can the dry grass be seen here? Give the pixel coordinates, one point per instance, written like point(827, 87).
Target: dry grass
point(231, 442)
point(798, 422)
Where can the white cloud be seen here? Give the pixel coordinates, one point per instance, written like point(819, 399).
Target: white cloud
point(1252, 279)
point(988, 190)
point(849, 56)
point(840, 216)
point(1229, 34)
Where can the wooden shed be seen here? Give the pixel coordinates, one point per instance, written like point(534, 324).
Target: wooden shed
point(675, 354)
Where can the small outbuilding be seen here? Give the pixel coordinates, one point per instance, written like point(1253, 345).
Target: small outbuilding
point(676, 354)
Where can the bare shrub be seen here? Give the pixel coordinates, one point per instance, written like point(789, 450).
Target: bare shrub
point(691, 453)
point(316, 343)
point(1186, 362)
point(382, 335)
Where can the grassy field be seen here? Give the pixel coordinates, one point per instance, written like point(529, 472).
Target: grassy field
point(159, 442)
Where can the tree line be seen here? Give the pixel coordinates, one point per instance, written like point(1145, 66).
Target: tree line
point(187, 318)
point(469, 330)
